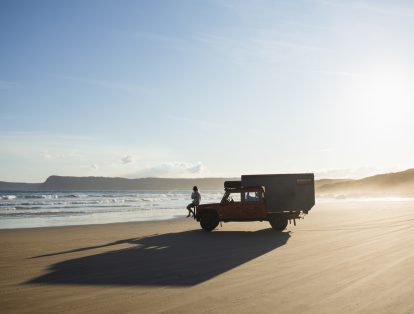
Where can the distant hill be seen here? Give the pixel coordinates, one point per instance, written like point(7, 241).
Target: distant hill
point(16, 186)
point(323, 182)
point(59, 183)
point(389, 184)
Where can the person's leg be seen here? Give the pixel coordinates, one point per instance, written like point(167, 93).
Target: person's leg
point(189, 209)
point(192, 210)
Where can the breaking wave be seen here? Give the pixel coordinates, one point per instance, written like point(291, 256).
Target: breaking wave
point(34, 209)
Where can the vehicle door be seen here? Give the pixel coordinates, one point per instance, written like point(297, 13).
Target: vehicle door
point(253, 205)
point(230, 207)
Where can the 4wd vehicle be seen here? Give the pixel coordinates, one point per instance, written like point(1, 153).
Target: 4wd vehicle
point(276, 198)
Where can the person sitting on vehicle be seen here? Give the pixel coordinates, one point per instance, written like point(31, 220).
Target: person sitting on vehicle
point(196, 197)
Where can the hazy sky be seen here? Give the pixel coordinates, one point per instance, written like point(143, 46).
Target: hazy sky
point(205, 88)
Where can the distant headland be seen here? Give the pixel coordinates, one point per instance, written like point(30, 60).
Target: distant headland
point(66, 183)
point(388, 184)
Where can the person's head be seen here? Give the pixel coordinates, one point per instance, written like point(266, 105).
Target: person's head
point(195, 188)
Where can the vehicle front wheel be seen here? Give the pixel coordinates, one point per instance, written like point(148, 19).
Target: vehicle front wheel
point(278, 222)
point(209, 221)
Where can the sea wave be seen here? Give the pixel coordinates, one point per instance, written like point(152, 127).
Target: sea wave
point(36, 214)
point(8, 197)
point(45, 196)
point(28, 209)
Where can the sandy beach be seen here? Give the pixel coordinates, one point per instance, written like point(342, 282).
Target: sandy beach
point(344, 257)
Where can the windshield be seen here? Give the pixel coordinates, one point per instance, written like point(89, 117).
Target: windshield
point(231, 197)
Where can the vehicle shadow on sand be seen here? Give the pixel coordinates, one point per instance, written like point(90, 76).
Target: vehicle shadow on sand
point(174, 259)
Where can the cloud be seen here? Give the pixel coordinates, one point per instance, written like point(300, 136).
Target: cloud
point(94, 166)
point(166, 40)
point(339, 73)
point(371, 6)
point(206, 124)
point(7, 84)
point(123, 87)
point(261, 48)
point(156, 37)
point(127, 159)
point(68, 155)
point(170, 169)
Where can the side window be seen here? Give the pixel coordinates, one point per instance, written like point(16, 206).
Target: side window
point(236, 197)
point(231, 197)
point(252, 196)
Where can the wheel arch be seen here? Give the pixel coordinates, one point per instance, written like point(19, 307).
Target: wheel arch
point(207, 211)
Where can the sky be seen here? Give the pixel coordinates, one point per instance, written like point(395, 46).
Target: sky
point(205, 88)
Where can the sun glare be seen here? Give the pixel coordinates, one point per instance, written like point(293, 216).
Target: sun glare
point(382, 99)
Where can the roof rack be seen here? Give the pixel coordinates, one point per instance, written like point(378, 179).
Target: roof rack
point(232, 184)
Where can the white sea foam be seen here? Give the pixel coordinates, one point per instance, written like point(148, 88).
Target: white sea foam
point(34, 209)
point(8, 197)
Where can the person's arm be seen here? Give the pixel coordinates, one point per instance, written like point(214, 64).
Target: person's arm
point(197, 198)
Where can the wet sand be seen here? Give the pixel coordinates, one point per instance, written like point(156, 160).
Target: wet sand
point(343, 258)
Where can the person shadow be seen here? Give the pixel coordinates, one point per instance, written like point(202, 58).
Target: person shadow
point(174, 259)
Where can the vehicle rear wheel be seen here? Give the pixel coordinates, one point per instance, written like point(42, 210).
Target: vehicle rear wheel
point(209, 221)
point(278, 222)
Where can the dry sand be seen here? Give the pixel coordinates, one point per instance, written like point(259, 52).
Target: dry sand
point(344, 257)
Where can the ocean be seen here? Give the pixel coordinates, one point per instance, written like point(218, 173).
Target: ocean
point(50, 208)
point(47, 209)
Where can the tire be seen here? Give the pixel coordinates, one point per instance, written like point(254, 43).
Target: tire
point(278, 222)
point(209, 221)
